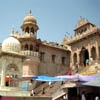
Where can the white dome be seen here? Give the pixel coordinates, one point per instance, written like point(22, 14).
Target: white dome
point(11, 44)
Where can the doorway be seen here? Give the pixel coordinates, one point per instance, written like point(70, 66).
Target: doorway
point(84, 56)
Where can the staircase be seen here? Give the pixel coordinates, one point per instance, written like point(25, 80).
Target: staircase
point(53, 91)
point(58, 94)
point(90, 69)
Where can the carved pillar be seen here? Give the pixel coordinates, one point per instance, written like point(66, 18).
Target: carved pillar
point(89, 50)
point(71, 59)
point(3, 76)
point(97, 51)
point(78, 58)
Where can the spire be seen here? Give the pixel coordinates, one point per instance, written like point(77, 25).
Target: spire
point(80, 17)
point(65, 39)
point(30, 12)
point(12, 30)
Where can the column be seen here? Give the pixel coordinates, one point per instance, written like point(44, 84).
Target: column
point(78, 58)
point(97, 51)
point(89, 50)
point(71, 59)
point(29, 29)
point(3, 76)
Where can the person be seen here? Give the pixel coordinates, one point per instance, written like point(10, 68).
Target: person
point(50, 83)
point(65, 97)
point(0, 97)
point(43, 90)
point(32, 93)
point(96, 66)
point(69, 72)
point(87, 62)
point(62, 82)
point(77, 65)
point(83, 96)
point(91, 60)
point(97, 98)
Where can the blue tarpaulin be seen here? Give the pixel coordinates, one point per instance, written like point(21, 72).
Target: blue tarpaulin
point(76, 77)
point(46, 78)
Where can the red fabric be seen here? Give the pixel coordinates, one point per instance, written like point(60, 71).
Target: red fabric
point(8, 79)
point(69, 72)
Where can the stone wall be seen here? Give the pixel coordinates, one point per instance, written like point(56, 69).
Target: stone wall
point(49, 67)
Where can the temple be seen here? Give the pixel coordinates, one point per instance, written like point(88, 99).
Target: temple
point(23, 55)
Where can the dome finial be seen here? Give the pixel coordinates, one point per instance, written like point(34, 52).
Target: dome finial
point(30, 12)
point(81, 17)
point(12, 30)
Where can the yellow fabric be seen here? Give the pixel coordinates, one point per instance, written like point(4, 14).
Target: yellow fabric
point(89, 72)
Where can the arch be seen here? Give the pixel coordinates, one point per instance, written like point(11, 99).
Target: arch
point(93, 53)
point(12, 73)
point(84, 55)
point(10, 66)
point(26, 47)
point(31, 47)
point(27, 29)
point(22, 47)
point(32, 30)
point(99, 52)
point(75, 58)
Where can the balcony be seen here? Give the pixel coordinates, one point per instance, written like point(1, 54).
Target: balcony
point(30, 53)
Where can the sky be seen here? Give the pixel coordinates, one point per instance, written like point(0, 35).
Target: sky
point(55, 18)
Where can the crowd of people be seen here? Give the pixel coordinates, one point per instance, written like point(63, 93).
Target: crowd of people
point(89, 96)
point(82, 96)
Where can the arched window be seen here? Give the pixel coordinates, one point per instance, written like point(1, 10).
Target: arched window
point(99, 52)
point(26, 47)
point(93, 52)
point(11, 75)
point(31, 47)
point(75, 58)
point(22, 47)
point(32, 30)
point(27, 29)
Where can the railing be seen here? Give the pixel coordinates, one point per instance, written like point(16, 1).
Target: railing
point(30, 53)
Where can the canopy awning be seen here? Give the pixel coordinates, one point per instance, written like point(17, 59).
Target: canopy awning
point(46, 78)
point(95, 82)
point(77, 77)
point(86, 78)
point(68, 77)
